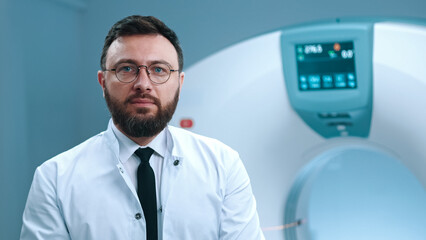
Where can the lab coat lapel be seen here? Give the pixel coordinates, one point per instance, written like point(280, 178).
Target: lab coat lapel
point(113, 147)
point(172, 167)
point(171, 171)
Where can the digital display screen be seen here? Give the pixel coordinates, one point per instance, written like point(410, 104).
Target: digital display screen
point(326, 66)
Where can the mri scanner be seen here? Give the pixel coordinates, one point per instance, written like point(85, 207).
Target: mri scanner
point(329, 119)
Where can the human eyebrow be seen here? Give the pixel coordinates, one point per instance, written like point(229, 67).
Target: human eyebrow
point(160, 61)
point(131, 61)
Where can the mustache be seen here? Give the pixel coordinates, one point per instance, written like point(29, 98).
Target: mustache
point(143, 95)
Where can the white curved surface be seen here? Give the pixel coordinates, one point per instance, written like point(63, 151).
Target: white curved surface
point(238, 96)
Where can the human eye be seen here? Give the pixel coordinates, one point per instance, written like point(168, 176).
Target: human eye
point(159, 69)
point(126, 69)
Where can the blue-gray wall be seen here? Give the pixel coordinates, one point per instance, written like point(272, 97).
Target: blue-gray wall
point(49, 54)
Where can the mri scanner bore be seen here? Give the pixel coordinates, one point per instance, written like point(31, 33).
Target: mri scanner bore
point(329, 120)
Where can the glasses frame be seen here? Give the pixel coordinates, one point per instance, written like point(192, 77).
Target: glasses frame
point(146, 70)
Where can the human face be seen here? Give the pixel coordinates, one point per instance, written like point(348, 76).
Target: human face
point(141, 109)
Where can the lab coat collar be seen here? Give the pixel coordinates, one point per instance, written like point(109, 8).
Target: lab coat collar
point(127, 147)
point(172, 154)
point(172, 165)
point(111, 141)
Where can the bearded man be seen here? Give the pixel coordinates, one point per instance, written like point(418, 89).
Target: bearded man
point(142, 179)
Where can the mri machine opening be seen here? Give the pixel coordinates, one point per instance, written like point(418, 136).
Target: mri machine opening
point(329, 121)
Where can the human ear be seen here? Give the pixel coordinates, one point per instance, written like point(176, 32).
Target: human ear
point(101, 80)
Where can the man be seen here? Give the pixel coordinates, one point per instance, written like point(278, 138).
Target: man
point(142, 179)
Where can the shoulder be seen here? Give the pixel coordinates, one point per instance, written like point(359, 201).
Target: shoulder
point(84, 150)
point(203, 151)
point(182, 138)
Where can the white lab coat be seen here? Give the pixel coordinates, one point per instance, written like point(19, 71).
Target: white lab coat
point(85, 193)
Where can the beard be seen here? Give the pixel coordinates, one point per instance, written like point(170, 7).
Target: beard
point(140, 124)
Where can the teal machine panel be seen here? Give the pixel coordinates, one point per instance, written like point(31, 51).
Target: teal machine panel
point(328, 75)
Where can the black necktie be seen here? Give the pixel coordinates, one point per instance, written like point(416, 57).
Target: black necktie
point(147, 192)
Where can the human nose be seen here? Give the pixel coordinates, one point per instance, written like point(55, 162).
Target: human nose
point(142, 79)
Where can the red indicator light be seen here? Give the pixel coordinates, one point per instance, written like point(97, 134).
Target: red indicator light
point(337, 47)
point(186, 123)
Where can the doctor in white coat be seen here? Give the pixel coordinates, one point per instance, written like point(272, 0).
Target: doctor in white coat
point(201, 188)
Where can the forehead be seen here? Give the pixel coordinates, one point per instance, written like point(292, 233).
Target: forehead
point(142, 49)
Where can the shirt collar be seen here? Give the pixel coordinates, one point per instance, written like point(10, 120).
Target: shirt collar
point(127, 146)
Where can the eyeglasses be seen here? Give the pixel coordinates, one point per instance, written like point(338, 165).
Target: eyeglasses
point(158, 73)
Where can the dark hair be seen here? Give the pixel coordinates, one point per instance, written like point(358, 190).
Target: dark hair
point(134, 25)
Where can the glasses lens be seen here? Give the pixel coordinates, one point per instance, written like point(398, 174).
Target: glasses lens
point(159, 72)
point(126, 72)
